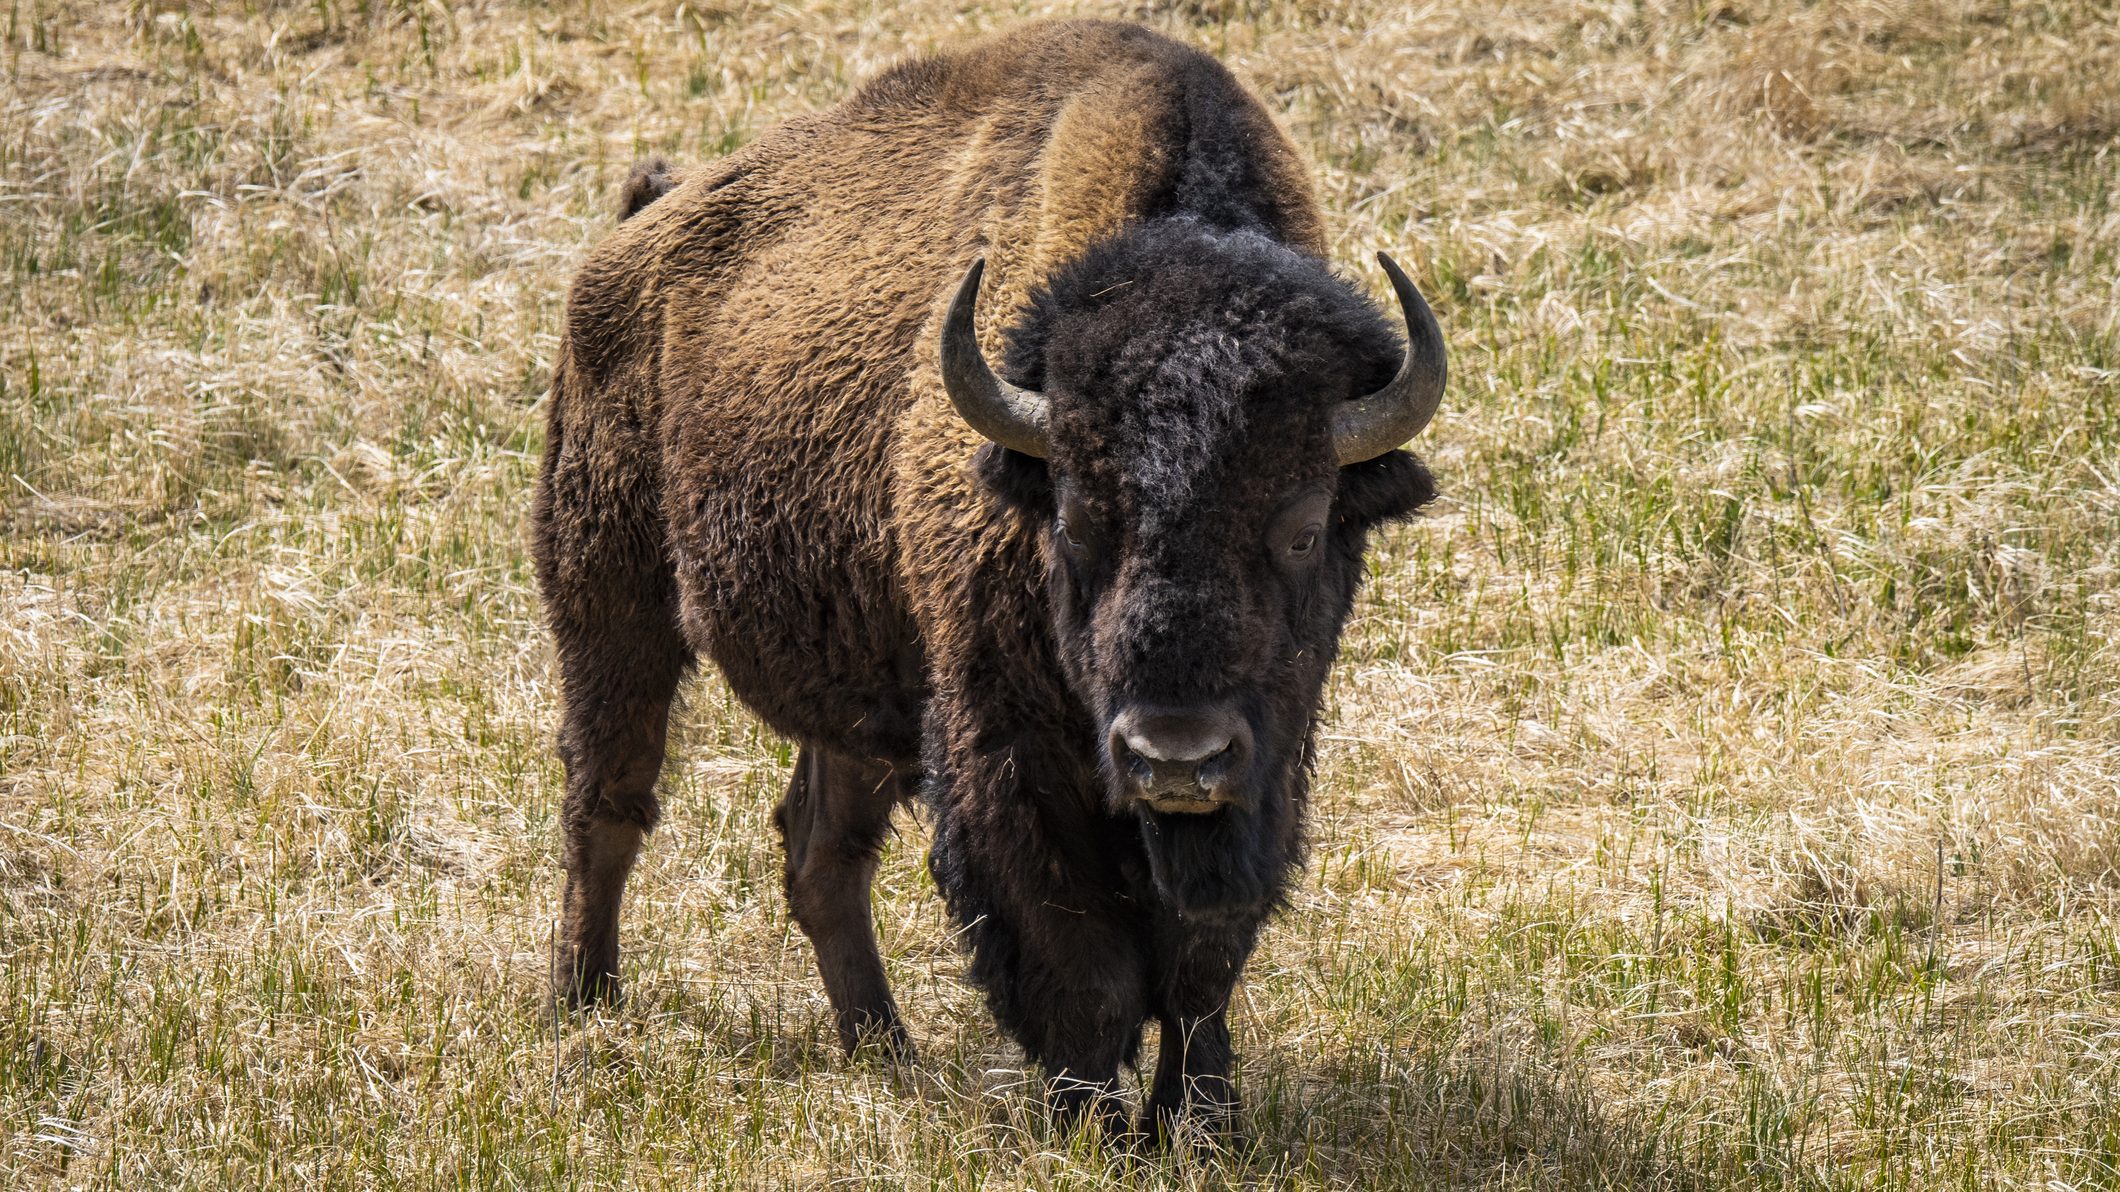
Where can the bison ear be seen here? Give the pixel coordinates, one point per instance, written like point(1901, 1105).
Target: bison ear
point(1020, 481)
point(1389, 488)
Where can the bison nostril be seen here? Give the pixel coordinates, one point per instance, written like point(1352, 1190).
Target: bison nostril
point(1216, 770)
point(1139, 768)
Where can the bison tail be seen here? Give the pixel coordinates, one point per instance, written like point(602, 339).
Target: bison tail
point(648, 181)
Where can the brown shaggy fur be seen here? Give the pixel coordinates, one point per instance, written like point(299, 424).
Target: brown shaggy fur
point(751, 457)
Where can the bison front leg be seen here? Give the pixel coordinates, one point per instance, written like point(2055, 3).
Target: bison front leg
point(1066, 982)
point(1034, 877)
point(833, 822)
point(1192, 1076)
point(1198, 976)
point(1080, 1015)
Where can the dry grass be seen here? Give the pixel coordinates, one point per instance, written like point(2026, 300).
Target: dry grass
point(1723, 790)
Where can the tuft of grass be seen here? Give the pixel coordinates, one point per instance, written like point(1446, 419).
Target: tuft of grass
point(1722, 789)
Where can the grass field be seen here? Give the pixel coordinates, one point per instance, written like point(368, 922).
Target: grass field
point(1722, 788)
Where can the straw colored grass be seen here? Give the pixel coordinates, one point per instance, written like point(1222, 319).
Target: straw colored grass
point(1722, 788)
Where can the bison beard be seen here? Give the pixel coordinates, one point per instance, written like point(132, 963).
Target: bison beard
point(1092, 635)
point(1216, 869)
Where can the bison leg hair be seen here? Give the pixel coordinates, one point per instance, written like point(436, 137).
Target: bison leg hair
point(611, 739)
point(833, 822)
point(1197, 968)
point(611, 601)
point(613, 749)
point(1069, 987)
point(1089, 1032)
point(1192, 1075)
point(1060, 960)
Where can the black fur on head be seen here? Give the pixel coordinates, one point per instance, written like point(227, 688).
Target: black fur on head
point(1202, 546)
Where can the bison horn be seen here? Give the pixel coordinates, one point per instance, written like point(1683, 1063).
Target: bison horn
point(1015, 418)
point(1367, 427)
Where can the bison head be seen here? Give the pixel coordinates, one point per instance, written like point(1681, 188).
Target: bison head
point(1201, 433)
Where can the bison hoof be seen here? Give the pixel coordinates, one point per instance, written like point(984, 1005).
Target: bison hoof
point(886, 1037)
point(1202, 1128)
point(1073, 1102)
point(590, 993)
point(580, 987)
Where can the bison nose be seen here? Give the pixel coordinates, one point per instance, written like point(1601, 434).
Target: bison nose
point(1179, 757)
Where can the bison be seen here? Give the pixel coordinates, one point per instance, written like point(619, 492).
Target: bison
point(1005, 439)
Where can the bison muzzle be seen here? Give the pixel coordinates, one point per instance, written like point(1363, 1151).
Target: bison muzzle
point(1004, 438)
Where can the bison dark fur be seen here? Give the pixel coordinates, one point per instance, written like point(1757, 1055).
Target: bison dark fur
point(752, 456)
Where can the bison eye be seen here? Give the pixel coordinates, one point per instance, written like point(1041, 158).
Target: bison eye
point(1295, 532)
point(1073, 526)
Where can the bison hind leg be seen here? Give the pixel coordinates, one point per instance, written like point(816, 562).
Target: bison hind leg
point(618, 691)
point(612, 743)
point(833, 822)
point(610, 599)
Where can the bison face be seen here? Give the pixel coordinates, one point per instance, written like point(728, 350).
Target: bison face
point(1184, 393)
point(1197, 631)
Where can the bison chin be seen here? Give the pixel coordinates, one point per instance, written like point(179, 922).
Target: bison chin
point(1224, 867)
